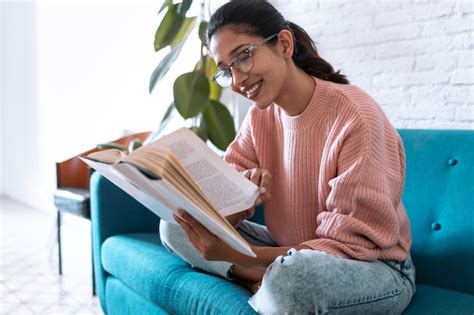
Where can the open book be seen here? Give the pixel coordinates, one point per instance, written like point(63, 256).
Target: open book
point(180, 171)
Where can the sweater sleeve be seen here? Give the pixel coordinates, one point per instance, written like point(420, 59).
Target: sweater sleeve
point(363, 176)
point(241, 152)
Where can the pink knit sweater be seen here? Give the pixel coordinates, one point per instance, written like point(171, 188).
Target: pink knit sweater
point(338, 172)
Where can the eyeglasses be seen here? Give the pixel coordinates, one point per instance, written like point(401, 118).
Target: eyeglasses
point(242, 62)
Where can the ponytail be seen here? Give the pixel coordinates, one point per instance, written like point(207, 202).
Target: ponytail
point(306, 57)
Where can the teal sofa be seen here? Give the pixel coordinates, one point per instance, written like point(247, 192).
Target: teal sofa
point(136, 275)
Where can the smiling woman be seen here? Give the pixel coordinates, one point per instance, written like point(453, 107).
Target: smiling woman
point(295, 45)
point(330, 167)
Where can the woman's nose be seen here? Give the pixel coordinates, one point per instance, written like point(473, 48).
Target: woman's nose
point(238, 78)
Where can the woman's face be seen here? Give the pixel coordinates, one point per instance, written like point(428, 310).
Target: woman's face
point(262, 83)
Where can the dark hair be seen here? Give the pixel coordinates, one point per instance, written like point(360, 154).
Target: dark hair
point(258, 17)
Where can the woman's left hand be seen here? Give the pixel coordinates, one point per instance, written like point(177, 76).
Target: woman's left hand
point(210, 246)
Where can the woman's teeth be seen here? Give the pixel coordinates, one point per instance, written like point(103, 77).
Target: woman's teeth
point(251, 92)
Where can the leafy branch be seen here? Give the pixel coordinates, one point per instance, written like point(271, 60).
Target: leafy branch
point(195, 95)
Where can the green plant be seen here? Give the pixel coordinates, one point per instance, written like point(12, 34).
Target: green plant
point(132, 146)
point(196, 97)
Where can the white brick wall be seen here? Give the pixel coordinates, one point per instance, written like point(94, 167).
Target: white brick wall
point(414, 57)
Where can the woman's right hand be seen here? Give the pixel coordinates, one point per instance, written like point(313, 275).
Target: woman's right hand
point(263, 179)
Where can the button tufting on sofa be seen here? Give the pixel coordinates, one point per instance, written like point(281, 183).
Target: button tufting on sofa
point(452, 162)
point(435, 226)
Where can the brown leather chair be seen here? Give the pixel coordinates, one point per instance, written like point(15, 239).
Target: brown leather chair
point(72, 190)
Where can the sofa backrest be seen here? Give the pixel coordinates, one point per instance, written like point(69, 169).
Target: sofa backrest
point(439, 198)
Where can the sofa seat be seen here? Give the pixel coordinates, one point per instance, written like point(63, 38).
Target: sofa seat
point(123, 300)
point(168, 281)
point(433, 301)
point(151, 272)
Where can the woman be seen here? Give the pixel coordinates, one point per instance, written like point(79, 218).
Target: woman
point(330, 166)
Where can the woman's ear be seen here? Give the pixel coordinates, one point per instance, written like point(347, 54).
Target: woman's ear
point(285, 40)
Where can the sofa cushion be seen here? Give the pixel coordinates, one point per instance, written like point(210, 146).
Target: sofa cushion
point(431, 300)
point(123, 300)
point(73, 200)
point(140, 262)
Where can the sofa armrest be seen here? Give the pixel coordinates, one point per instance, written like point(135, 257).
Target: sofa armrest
point(114, 212)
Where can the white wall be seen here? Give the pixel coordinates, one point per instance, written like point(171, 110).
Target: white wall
point(415, 57)
point(1, 99)
point(74, 74)
point(19, 97)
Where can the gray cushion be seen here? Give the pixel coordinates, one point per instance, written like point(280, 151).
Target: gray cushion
point(73, 200)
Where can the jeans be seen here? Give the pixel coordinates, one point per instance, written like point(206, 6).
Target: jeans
point(310, 281)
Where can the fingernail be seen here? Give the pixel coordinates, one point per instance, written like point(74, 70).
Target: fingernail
point(263, 190)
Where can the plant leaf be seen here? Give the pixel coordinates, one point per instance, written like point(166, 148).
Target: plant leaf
point(210, 68)
point(111, 145)
point(169, 27)
point(202, 32)
point(164, 66)
point(201, 132)
point(184, 6)
point(215, 89)
point(219, 123)
point(186, 27)
point(191, 93)
point(134, 144)
point(166, 4)
point(197, 67)
point(169, 114)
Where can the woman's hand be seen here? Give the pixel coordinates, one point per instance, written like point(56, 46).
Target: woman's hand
point(263, 179)
point(236, 218)
point(213, 248)
point(209, 245)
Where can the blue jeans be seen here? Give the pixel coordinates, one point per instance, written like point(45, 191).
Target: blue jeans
point(310, 281)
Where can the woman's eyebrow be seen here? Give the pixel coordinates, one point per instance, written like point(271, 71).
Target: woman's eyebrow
point(232, 53)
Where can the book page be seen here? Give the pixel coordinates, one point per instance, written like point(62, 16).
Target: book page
point(160, 206)
point(149, 162)
point(228, 190)
point(111, 156)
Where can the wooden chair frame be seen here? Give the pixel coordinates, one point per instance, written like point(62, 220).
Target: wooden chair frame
point(73, 173)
